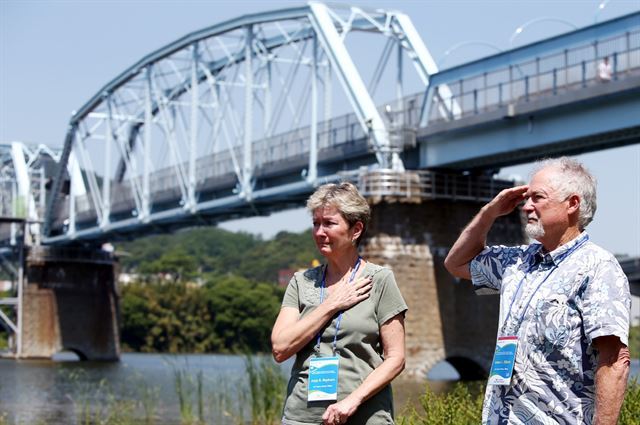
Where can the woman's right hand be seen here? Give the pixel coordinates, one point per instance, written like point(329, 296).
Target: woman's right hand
point(291, 332)
point(344, 295)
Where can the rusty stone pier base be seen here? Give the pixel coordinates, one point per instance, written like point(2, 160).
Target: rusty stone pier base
point(411, 232)
point(70, 303)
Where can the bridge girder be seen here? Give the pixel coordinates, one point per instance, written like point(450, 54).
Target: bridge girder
point(230, 99)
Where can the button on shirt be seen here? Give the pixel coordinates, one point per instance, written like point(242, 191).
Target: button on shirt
point(567, 298)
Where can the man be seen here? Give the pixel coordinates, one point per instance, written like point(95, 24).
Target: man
point(604, 70)
point(564, 299)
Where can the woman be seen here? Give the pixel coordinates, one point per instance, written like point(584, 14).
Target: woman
point(349, 307)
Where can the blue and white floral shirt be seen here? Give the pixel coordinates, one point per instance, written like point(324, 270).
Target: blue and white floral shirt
point(567, 298)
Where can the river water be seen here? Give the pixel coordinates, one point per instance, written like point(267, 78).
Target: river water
point(59, 392)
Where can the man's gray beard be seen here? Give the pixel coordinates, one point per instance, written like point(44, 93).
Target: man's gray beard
point(534, 230)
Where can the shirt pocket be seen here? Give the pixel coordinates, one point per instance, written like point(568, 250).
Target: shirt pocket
point(553, 320)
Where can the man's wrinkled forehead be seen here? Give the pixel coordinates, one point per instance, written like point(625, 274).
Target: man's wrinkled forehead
point(544, 181)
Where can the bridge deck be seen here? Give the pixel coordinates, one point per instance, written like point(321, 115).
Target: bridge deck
point(507, 108)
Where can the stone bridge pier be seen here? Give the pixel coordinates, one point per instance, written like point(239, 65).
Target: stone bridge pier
point(416, 218)
point(70, 303)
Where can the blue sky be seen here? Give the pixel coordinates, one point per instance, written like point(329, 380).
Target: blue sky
point(55, 55)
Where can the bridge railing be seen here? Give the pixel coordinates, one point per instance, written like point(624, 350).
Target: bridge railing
point(559, 72)
point(419, 185)
point(275, 149)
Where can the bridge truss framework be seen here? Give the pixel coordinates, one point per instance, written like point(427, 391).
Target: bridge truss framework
point(229, 101)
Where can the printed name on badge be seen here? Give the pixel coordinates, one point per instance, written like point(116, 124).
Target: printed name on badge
point(323, 379)
point(504, 358)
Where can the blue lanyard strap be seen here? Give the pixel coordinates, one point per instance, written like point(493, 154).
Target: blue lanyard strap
point(561, 258)
point(324, 275)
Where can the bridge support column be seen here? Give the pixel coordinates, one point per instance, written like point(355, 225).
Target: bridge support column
point(70, 303)
point(411, 232)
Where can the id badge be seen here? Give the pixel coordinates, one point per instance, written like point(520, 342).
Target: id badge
point(323, 379)
point(504, 359)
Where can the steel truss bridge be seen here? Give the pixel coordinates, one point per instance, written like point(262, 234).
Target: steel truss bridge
point(246, 117)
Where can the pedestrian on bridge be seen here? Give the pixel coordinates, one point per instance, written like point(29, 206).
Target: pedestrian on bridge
point(562, 352)
point(604, 70)
point(344, 322)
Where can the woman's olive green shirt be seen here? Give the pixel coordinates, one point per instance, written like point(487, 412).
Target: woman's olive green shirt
point(359, 346)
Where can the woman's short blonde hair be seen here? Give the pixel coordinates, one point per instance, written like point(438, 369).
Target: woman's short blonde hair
point(346, 199)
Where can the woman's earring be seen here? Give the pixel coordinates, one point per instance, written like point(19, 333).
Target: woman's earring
point(354, 242)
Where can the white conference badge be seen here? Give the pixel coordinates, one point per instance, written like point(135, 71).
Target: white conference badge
point(323, 379)
point(504, 359)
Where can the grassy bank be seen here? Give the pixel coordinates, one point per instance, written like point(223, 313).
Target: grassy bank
point(257, 400)
point(253, 399)
point(463, 406)
point(634, 342)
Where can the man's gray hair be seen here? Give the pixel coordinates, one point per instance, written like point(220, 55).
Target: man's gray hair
point(573, 178)
point(346, 199)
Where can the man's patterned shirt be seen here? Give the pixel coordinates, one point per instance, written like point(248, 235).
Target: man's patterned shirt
point(566, 299)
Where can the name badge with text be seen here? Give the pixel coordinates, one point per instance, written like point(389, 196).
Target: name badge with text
point(323, 379)
point(504, 359)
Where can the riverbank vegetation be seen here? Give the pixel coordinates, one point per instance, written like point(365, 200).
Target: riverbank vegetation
point(634, 341)
point(463, 406)
point(227, 314)
point(253, 399)
point(206, 290)
point(257, 398)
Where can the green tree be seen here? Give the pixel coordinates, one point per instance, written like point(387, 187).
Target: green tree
point(212, 250)
point(166, 317)
point(176, 262)
point(136, 318)
point(243, 312)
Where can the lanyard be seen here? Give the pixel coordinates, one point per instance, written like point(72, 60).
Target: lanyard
point(324, 275)
point(561, 258)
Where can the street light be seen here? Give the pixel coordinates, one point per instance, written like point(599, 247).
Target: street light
point(601, 7)
point(521, 28)
point(464, 44)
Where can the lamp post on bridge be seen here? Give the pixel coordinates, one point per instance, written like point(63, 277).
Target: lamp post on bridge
point(465, 43)
point(601, 7)
point(522, 27)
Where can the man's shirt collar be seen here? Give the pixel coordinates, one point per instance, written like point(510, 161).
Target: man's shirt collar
point(538, 256)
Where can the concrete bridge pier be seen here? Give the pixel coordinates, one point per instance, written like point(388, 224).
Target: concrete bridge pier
point(411, 231)
point(70, 303)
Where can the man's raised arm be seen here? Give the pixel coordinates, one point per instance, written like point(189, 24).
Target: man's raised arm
point(473, 238)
